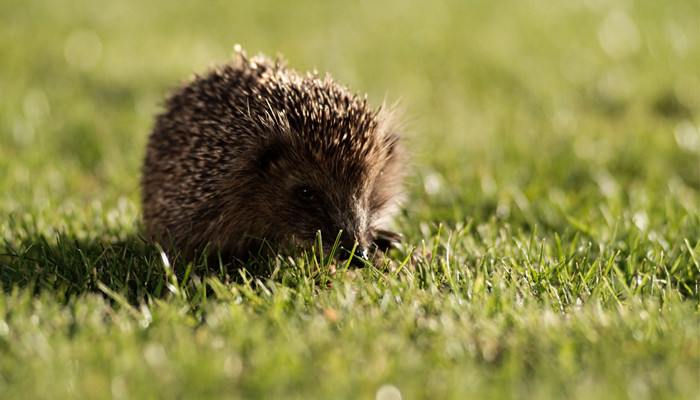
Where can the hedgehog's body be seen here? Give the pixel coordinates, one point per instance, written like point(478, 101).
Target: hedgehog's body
point(255, 151)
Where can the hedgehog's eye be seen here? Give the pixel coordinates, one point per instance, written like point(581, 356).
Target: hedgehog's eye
point(305, 193)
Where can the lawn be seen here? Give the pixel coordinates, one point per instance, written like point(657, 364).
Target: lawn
point(551, 220)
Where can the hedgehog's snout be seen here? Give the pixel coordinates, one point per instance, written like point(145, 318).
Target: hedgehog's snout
point(360, 259)
point(381, 242)
point(354, 245)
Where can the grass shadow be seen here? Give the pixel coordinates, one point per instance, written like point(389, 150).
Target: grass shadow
point(136, 270)
point(74, 266)
point(131, 267)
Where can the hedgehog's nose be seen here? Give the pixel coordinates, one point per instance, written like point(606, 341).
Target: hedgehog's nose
point(357, 259)
point(354, 246)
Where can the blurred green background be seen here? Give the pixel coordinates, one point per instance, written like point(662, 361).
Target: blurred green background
point(501, 100)
point(552, 205)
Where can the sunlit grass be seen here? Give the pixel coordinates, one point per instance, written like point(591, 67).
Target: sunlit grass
point(551, 222)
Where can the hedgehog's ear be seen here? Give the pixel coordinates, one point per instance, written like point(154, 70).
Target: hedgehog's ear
point(267, 157)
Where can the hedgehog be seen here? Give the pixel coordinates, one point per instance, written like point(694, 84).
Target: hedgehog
point(253, 157)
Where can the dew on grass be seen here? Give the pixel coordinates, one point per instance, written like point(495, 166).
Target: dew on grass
point(641, 220)
point(454, 349)
point(233, 366)
point(676, 37)
point(388, 392)
point(638, 388)
point(488, 184)
point(35, 105)
point(687, 136)
point(147, 318)
point(618, 35)
point(118, 387)
point(607, 183)
point(503, 210)
point(155, 355)
point(4, 328)
point(22, 131)
point(432, 183)
point(564, 121)
point(217, 343)
point(489, 350)
point(39, 344)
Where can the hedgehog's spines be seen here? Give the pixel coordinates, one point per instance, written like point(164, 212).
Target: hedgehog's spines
point(225, 159)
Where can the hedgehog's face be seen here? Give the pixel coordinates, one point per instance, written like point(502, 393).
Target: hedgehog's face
point(306, 192)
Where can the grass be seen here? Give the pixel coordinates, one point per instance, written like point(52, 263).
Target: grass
point(552, 222)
